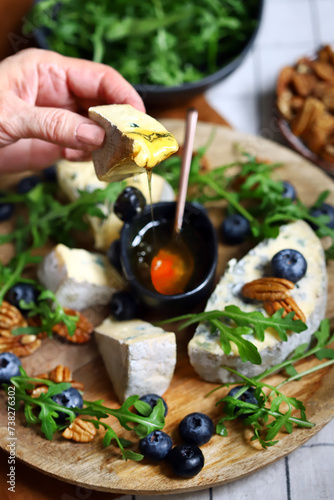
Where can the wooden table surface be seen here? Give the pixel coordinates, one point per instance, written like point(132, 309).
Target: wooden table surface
point(30, 484)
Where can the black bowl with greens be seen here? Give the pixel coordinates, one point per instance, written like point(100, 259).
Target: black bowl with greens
point(169, 50)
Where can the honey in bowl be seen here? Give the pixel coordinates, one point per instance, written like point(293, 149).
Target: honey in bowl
point(163, 262)
point(172, 268)
point(167, 271)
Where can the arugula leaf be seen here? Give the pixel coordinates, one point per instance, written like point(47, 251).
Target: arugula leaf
point(323, 334)
point(159, 42)
point(247, 323)
point(247, 350)
point(48, 218)
point(270, 406)
point(49, 411)
point(142, 407)
point(121, 442)
point(11, 273)
point(145, 424)
point(257, 415)
point(325, 354)
point(252, 192)
point(49, 312)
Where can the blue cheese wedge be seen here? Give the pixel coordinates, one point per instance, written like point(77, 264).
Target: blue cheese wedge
point(79, 279)
point(310, 294)
point(134, 142)
point(140, 358)
point(74, 177)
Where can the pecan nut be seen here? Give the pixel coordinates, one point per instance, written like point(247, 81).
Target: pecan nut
point(77, 385)
point(83, 331)
point(14, 344)
point(288, 304)
point(36, 321)
point(10, 318)
point(80, 431)
point(60, 374)
point(267, 289)
point(40, 389)
point(28, 339)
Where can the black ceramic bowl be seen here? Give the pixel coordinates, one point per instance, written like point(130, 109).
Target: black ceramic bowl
point(164, 95)
point(199, 235)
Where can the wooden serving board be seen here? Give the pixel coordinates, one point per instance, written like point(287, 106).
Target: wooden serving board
point(226, 459)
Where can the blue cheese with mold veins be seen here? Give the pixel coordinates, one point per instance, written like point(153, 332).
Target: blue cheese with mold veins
point(310, 293)
point(140, 358)
point(79, 278)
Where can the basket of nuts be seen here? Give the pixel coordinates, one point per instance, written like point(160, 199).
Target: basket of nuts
point(305, 101)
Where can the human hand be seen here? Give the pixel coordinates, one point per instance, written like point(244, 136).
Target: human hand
point(43, 97)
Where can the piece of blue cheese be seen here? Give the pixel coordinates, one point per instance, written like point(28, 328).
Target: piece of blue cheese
point(310, 294)
point(79, 278)
point(74, 177)
point(134, 142)
point(140, 358)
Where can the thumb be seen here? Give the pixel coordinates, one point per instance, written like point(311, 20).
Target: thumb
point(19, 119)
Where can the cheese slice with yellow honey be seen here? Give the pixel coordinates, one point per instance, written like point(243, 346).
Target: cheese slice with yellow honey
point(134, 142)
point(310, 294)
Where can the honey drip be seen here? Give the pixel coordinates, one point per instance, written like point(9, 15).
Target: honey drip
point(149, 181)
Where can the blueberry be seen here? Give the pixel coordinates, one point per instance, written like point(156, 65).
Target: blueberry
point(69, 398)
point(129, 203)
point(289, 264)
point(196, 428)
point(6, 211)
point(123, 306)
point(324, 209)
point(186, 460)
point(114, 255)
point(248, 396)
point(50, 174)
point(234, 229)
point(289, 191)
point(151, 399)
point(22, 291)
point(9, 367)
point(156, 446)
point(28, 183)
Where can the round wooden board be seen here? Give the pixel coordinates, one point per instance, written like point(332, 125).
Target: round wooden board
point(226, 459)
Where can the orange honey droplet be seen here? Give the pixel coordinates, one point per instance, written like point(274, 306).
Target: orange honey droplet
point(171, 271)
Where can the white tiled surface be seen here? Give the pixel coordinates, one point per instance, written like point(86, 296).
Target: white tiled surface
point(290, 28)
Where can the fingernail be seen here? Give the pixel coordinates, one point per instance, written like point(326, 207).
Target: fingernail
point(90, 134)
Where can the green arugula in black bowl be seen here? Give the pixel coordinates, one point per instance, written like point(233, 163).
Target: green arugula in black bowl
point(167, 49)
